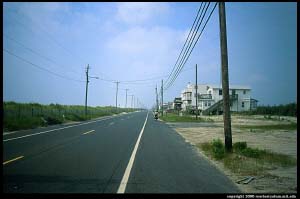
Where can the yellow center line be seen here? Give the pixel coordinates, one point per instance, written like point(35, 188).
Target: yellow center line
point(88, 132)
point(13, 160)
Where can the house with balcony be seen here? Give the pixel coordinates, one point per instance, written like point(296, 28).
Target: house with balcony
point(210, 98)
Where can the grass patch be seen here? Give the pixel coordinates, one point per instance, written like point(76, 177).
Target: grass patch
point(246, 160)
point(13, 124)
point(21, 116)
point(291, 126)
point(170, 117)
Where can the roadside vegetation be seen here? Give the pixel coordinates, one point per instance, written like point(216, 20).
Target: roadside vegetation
point(19, 116)
point(283, 110)
point(171, 117)
point(255, 128)
point(245, 160)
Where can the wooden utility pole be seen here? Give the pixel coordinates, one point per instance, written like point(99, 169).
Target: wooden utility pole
point(156, 99)
point(132, 104)
point(196, 95)
point(162, 97)
point(126, 97)
point(225, 79)
point(86, 89)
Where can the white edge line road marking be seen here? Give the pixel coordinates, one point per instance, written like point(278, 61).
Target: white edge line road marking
point(55, 129)
point(124, 180)
point(6, 162)
point(88, 132)
point(9, 133)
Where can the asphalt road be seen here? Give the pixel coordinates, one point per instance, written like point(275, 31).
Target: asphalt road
point(129, 153)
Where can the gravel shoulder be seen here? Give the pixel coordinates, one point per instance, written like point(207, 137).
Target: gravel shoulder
point(276, 179)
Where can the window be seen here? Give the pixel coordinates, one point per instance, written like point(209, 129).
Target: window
point(233, 92)
point(205, 104)
point(220, 92)
point(244, 92)
point(243, 104)
point(209, 103)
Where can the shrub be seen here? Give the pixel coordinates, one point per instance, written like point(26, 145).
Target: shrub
point(253, 153)
point(13, 124)
point(218, 149)
point(75, 117)
point(239, 146)
point(53, 120)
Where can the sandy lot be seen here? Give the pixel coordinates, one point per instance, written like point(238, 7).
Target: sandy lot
point(275, 180)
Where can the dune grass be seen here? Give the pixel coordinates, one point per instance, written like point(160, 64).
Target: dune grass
point(246, 160)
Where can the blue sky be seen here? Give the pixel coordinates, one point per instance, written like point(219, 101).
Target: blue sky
point(132, 41)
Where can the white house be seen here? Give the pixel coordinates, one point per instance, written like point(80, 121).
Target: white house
point(210, 98)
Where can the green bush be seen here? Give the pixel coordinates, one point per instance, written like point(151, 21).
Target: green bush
point(75, 117)
point(253, 153)
point(239, 146)
point(13, 124)
point(19, 116)
point(53, 120)
point(218, 149)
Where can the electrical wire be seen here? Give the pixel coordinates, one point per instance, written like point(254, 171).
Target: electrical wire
point(189, 45)
point(46, 33)
point(188, 48)
point(194, 44)
point(37, 66)
point(185, 42)
point(33, 51)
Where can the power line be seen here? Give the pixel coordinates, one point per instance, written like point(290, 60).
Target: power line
point(158, 77)
point(194, 44)
point(188, 48)
point(33, 51)
point(35, 65)
point(135, 82)
point(185, 42)
point(46, 33)
point(188, 40)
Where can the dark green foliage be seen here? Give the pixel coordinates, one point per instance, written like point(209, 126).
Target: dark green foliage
point(171, 117)
point(218, 149)
point(53, 120)
point(74, 117)
point(19, 116)
point(239, 146)
point(13, 124)
point(253, 153)
point(284, 110)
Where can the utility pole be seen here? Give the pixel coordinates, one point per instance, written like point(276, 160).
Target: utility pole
point(117, 95)
point(196, 95)
point(156, 99)
point(162, 97)
point(126, 98)
point(135, 102)
point(132, 104)
point(86, 88)
point(225, 79)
